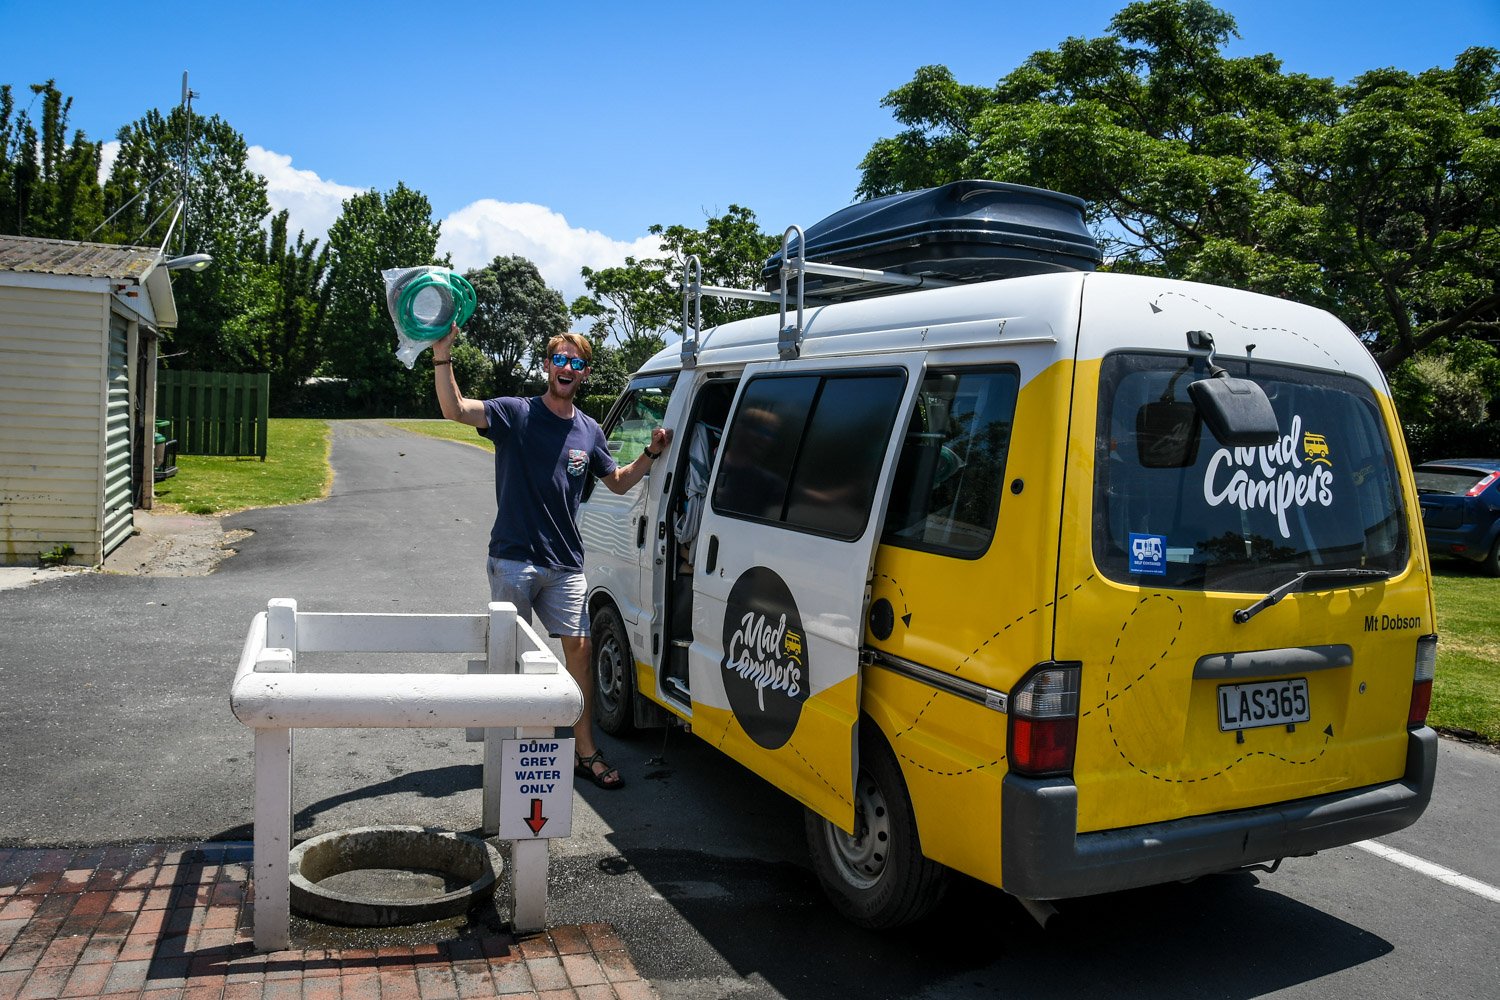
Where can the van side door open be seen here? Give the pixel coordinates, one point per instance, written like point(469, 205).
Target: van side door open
point(783, 559)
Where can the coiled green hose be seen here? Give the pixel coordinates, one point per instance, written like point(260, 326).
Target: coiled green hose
point(458, 291)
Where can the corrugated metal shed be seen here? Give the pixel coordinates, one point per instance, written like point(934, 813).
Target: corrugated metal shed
point(27, 255)
point(78, 332)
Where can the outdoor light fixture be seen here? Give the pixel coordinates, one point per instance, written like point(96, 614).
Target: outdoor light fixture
point(192, 262)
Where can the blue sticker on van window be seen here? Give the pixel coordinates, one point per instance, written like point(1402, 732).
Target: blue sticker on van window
point(1148, 554)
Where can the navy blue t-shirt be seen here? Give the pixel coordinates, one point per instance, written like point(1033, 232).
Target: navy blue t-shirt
point(541, 464)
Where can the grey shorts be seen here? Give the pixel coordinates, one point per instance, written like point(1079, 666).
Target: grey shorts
point(558, 596)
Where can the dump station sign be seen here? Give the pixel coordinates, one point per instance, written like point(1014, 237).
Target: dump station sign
point(536, 789)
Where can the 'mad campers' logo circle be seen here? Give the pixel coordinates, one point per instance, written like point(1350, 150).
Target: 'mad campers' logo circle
point(765, 658)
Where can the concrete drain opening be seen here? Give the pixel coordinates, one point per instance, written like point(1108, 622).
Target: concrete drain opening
point(389, 876)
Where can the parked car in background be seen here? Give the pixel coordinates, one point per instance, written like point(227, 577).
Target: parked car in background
point(1460, 500)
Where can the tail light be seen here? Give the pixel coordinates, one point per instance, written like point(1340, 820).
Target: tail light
point(1482, 485)
point(1421, 680)
point(1044, 720)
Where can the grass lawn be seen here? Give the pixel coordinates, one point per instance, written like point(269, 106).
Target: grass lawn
point(448, 430)
point(1466, 693)
point(296, 470)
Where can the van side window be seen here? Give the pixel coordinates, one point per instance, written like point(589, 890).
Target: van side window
point(946, 494)
point(639, 411)
point(629, 423)
point(806, 450)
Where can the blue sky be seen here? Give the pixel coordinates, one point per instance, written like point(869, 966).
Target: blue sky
point(562, 131)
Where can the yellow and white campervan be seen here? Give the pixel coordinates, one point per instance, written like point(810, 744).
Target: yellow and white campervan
point(1069, 581)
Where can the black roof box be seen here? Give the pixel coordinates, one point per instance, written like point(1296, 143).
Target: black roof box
point(964, 231)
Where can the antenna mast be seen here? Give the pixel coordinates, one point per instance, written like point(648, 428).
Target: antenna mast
point(187, 145)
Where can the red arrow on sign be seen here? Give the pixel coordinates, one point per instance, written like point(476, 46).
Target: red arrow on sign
point(536, 820)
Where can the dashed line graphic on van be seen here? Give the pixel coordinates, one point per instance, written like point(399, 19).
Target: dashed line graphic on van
point(882, 617)
point(979, 649)
point(1327, 736)
point(819, 775)
point(1248, 329)
point(1110, 697)
point(1109, 671)
point(948, 774)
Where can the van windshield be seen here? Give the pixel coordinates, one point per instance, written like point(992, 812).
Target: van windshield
point(1173, 507)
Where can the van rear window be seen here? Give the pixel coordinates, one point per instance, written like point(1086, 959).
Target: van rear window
point(1174, 507)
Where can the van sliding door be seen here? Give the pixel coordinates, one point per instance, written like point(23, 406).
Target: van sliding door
point(784, 555)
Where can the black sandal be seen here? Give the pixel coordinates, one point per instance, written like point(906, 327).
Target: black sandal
point(584, 768)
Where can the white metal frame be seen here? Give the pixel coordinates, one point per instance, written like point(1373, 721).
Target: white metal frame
point(794, 267)
point(524, 694)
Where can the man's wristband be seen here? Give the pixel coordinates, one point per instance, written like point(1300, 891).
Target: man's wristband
point(653, 455)
point(443, 361)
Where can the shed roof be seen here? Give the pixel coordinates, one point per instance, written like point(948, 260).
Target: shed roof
point(69, 257)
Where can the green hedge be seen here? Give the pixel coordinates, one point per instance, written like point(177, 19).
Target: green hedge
point(596, 406)
point(1429, 442)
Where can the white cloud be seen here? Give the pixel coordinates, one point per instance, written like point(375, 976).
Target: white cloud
point(479, 232)
point(107, 156)
point(473, 235)
point(312, 203)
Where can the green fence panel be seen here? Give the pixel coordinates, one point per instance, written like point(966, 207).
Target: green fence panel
point(216, 413)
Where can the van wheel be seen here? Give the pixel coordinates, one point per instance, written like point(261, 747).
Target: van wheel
point(878, 877)
point(614, 673)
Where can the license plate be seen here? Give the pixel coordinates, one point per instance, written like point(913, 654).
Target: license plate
point(1265, 703)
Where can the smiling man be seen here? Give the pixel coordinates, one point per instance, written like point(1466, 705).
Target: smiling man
point(544, 448)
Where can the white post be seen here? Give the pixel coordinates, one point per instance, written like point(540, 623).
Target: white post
point(273, 793)
point(529, 857)
point(501, 653)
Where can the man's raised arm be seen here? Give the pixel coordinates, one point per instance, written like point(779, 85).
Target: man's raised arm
point(452, 402)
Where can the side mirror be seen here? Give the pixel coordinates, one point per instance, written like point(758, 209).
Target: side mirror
point(1235, 409)
point(1166, 435)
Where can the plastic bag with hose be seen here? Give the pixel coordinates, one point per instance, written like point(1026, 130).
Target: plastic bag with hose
point(425, 302)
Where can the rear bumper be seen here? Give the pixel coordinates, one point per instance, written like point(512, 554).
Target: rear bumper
point(1476, 540)
point(1044, 857)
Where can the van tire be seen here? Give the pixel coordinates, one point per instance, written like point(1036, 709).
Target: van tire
point(879, 877)
point(614, 672)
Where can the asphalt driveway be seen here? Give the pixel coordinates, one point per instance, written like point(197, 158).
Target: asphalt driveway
point(114, 690)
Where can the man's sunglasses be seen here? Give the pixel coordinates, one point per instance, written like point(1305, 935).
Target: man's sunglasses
point(563, 361)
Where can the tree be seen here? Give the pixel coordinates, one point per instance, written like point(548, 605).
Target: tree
point(1379, 200)
point(225, 206)
point(640, 302)
point(609, 375)
point(515, 314)
point(375, 232)
point(732, 251)
point(275, 328)
point(634, 304)
point(48, 187)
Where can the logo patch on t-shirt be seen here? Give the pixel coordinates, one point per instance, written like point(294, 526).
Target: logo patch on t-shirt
point(578, 460)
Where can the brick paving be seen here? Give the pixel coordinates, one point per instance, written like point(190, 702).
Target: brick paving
point(174, 922)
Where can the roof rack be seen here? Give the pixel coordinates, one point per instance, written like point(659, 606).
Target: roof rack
point(789, 338)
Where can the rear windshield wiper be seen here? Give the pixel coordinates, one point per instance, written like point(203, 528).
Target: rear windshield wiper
point(1297, 583)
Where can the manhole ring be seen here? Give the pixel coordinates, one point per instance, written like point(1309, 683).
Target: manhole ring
point(467, 859)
